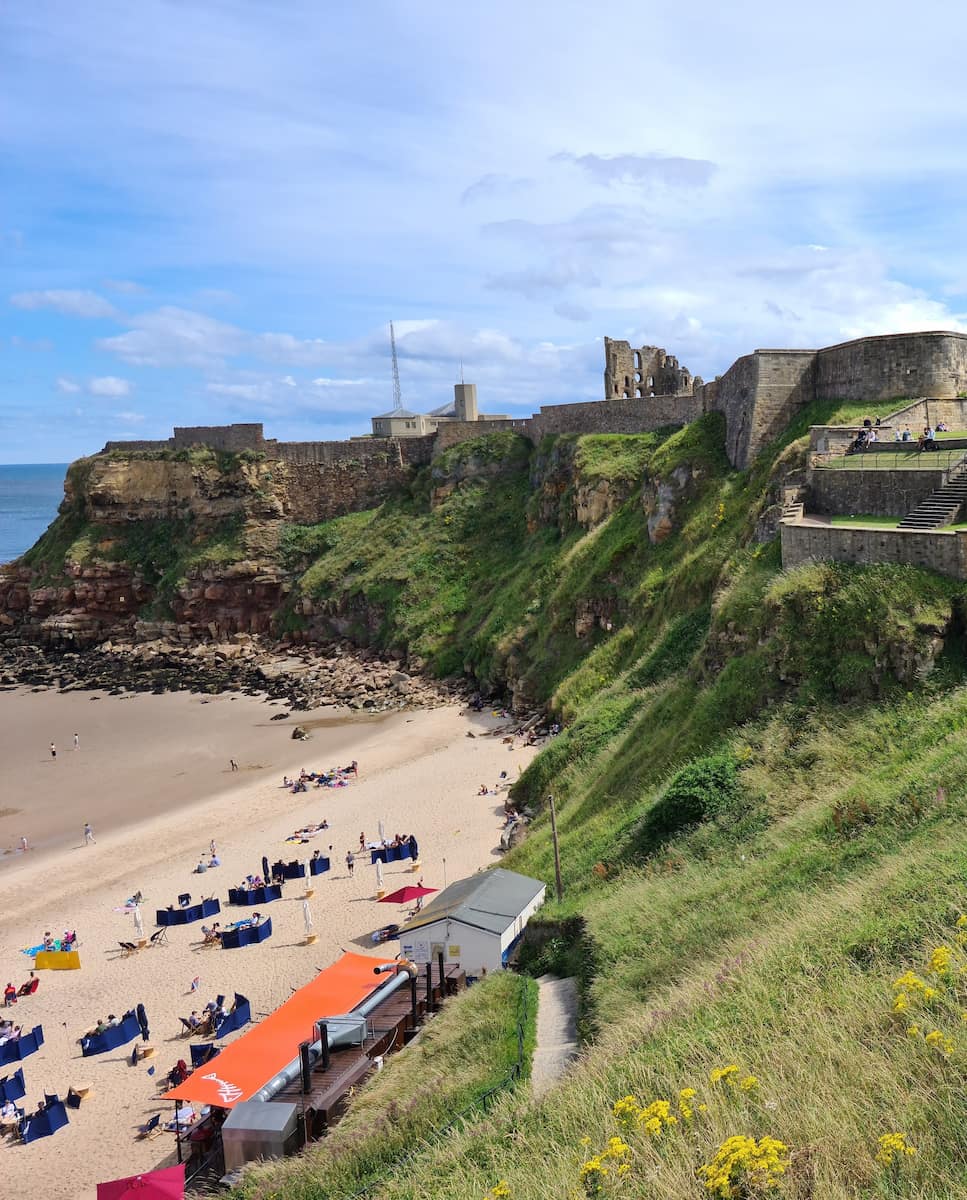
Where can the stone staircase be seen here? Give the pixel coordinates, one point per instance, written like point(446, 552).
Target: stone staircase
point(941, 506)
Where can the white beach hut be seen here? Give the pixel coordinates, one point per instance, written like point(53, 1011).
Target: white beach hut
point(475, 922)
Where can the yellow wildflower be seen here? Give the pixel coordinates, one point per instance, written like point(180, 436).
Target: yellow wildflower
point(742, 1165)
point(962, 922)
point(749, 1083)
point(913, 1031)
point(901, 1002)
point(724, 1075)
point(500, 1191)
point(893, 1145)
point(940, 1042)
point(929, 993)
point(685, 1098)
point(939, 963)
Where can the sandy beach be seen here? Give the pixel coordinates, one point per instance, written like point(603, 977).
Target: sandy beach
point(152, 777)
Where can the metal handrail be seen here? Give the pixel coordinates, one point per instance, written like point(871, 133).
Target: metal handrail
point(886, 459)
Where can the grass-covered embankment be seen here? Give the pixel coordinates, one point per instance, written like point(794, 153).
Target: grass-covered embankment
point(761, 796)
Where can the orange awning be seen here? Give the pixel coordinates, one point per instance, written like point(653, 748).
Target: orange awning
point(250, 1062)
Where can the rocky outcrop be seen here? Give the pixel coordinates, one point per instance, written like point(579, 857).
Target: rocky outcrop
point(169, 660)
point(661, 499)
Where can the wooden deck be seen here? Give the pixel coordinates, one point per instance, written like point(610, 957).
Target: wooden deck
point(389, 1026)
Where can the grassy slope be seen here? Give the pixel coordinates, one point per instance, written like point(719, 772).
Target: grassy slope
point(768, 933)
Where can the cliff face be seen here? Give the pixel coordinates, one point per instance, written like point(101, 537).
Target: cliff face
point(451, 565)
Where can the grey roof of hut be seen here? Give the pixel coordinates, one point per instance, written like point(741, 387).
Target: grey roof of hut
point(492, 901)
point(395, 412)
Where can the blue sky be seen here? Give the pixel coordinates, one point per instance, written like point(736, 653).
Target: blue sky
point(212, 208)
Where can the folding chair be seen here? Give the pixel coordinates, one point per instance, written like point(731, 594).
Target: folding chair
point(161, 936)
point(184, 899)
point(186, 1029)
point(219, 1001)
point(151, 1129)
point(73, 1098)
point(127, 948)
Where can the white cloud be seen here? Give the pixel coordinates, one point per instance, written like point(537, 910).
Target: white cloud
point(126, 286)
point(130, 418)
point(244, 391)
point(67, 385)
point(174, 337)
point(322, 381)
point(644, 170)
point(70, 302)
point(109, 385)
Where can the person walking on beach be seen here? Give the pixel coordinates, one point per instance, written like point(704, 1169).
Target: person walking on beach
point(350, 862)
point(88, 834)
point(23, 844)
point(77, 741)
point(233, 764)
point(53, 750)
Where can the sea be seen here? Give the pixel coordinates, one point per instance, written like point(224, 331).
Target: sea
point(29, 496)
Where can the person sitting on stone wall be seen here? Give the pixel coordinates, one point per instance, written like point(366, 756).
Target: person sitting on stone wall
point(926, 441)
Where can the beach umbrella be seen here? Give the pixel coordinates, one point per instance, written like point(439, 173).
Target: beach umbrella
point(382, 836)
point(166, 1184)
point(265, 868)
point(307, 916)
point(142, 1021)
point(379, 876)
point(404, 895)
point(138, 923)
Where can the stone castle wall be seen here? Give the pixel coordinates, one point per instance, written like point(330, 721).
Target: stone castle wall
point(893, 366)
point(936, 551)
point(759, 395)
point(861, 493)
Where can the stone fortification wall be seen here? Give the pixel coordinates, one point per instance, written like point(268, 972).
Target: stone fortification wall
point(232, 438)
point(849, 493)
point(894, 365)
point(930, 411)
point(639, 415)
point(759, 395)
point(164, 444)
point(937, 551)
point(450, 433)
point(319, 491)
point(357, 452)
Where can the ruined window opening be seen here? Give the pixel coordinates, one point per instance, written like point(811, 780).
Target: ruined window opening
point(638, 359)
point(651, 381)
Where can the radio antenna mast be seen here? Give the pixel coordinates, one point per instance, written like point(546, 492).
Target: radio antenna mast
point(397, 394)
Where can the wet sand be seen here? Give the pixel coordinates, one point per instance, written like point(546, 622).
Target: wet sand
point(141, 755)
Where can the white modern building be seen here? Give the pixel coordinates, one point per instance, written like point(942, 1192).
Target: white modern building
point(400, 422)
point(475, 922)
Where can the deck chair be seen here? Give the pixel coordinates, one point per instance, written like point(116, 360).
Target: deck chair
point(73, 1098)
point(219, 1001)
point(51, 1098)
point(184, 899)
point(161, 936)
point(186, 1029)
point(151, 1129)
point(127, 948)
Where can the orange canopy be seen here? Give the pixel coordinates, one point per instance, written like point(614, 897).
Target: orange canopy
point(250, 1062)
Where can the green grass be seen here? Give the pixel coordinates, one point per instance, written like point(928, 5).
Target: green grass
point(460, 1058)
point(867, 519)
point(899, 460)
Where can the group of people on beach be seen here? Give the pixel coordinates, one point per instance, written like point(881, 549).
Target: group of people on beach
point(336, 777)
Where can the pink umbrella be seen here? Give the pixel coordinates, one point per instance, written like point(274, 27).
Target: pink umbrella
point(404, 895)
point(167, 1184)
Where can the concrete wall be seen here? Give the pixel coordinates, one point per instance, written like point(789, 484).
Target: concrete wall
point(884, 368)
point(942, 552)
point(850, 493)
